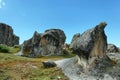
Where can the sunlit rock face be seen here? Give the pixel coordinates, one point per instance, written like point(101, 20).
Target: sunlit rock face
point(111, 48)
point(75, 37)
point(48, 43)
point(90, 45)
point(7, 36)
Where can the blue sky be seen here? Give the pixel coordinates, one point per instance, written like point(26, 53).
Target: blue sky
point(72, 16)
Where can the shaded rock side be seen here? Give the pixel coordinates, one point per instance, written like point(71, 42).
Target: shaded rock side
point(111, 48)
point(48, 43)
point(7, 36)
point(90, 45)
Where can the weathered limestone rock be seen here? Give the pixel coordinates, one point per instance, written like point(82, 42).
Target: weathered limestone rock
point(90, 45)
point(6, 35)
point(48, 43)
point(111, 48)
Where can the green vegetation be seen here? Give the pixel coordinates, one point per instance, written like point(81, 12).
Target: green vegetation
point(7, 49)
point(4, 49)
point(14, 67)
point(14, 49)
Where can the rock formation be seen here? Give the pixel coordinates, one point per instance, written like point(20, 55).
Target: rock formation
point(90, 45)
point(111, 48)
point(48, 43)
point(75, 37)
point(6, 35)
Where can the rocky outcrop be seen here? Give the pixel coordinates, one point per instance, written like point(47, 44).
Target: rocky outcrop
point(75, 37)
point(90, 45)
point(111, 48)
point(7, 36)
point(101, 70)
point(48, 43)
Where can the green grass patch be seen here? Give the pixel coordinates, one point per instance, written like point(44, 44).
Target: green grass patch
point(8, 49)
point(14, 49)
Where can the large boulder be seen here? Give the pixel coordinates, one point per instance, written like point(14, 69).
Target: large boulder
point(7, 36)
point(90, 45)
point(48, 43)
point(111, 48)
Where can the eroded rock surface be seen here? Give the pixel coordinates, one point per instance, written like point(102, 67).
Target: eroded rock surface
point(7, 36)
point(48, 43)
point(101, 70)
point(90, 45)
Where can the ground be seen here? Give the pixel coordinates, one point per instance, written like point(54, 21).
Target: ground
point(13, 67)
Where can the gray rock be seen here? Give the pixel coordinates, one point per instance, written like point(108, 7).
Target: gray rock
point(101, 70)
point(114, 57)
point(90, 45)
point(48, 43)
point(111, 48)
point(7, 36)
point(49, 64)
point(75, 37)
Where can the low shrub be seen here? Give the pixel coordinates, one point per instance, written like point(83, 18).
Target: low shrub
point(4, 48)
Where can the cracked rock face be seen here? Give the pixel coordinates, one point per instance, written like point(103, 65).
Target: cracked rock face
point(48, 43)
point(90, 45)
point(7, 36)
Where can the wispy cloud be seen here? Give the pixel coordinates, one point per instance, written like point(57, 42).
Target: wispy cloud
point(2, 4)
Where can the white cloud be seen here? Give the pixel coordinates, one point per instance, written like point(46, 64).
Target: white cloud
point(2, 3)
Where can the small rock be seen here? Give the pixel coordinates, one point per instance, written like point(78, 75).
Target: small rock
point(49, 64)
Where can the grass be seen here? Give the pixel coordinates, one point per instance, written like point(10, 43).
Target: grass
point(7, 49)
point(14, 50)
point(4, 48)
point(14, 67)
